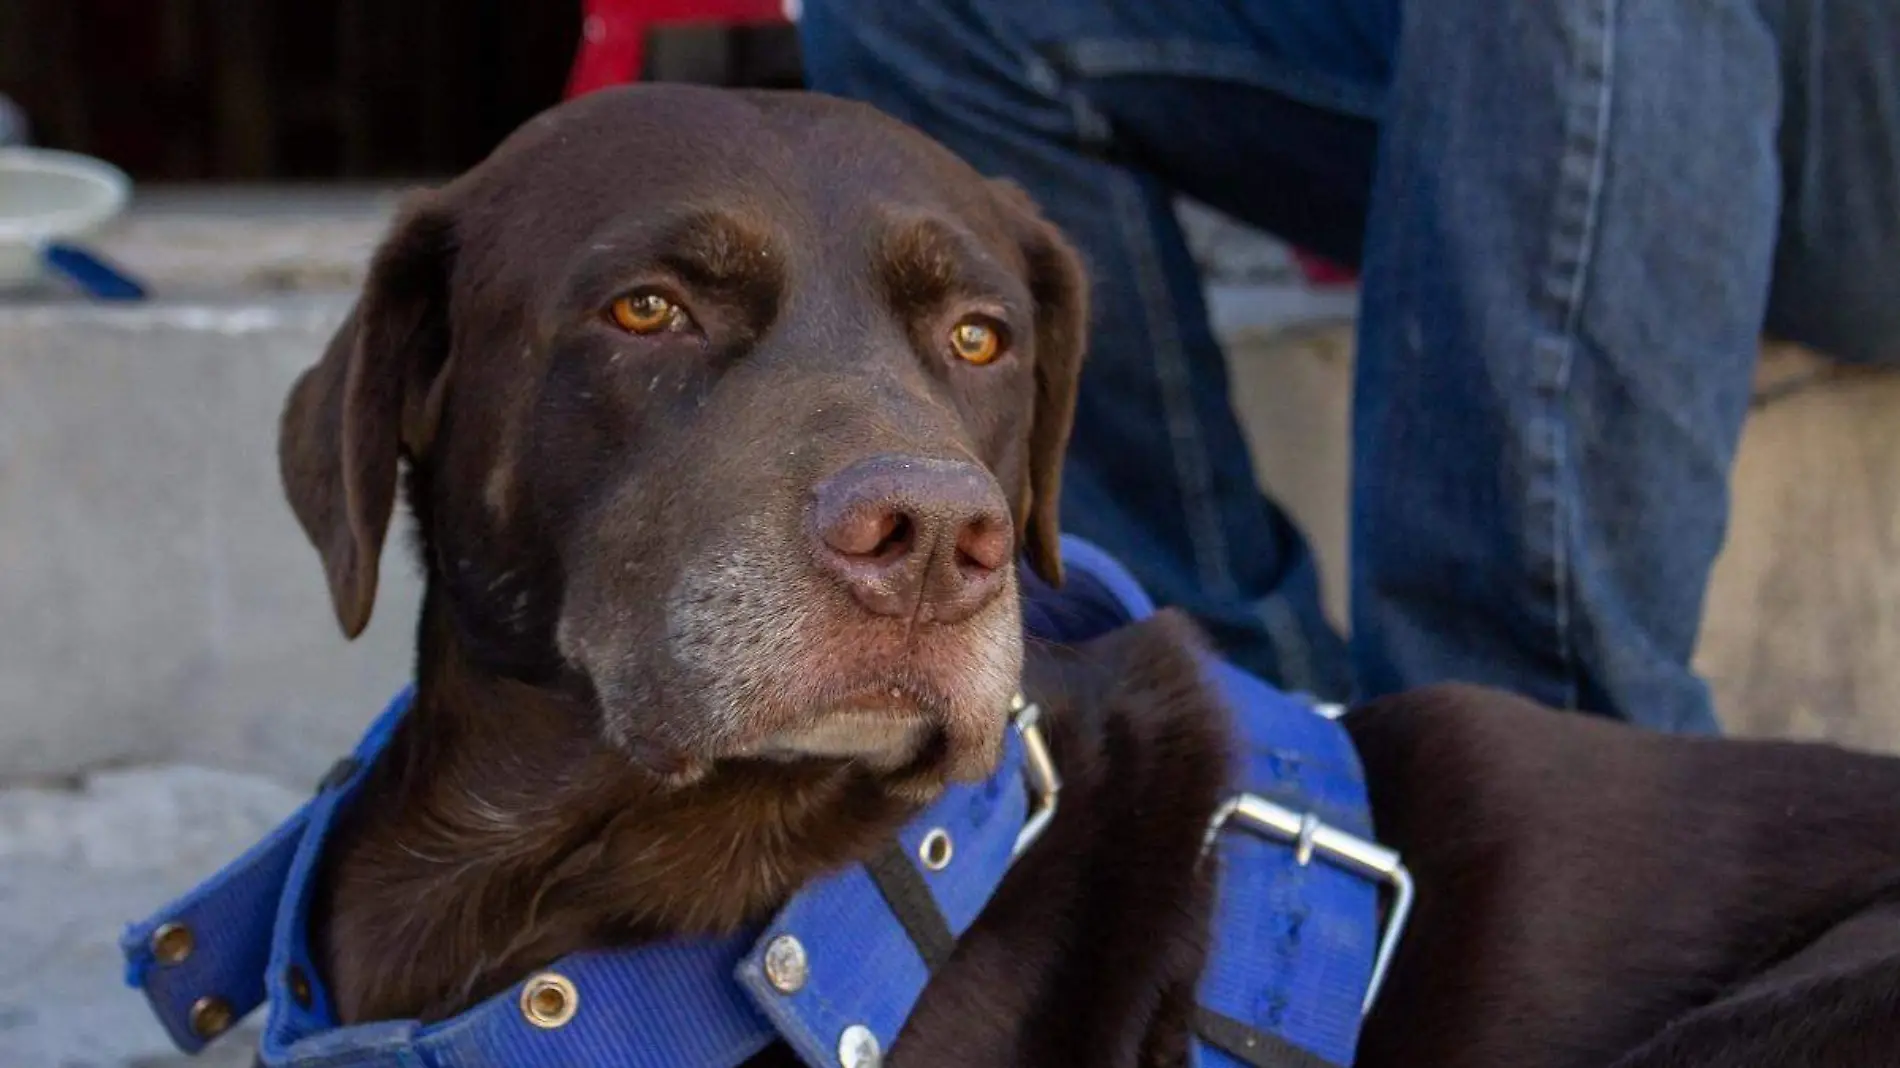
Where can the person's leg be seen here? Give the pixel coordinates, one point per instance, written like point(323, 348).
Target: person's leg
point(1568, 266)
point(1101, 110)
point(1837, 266)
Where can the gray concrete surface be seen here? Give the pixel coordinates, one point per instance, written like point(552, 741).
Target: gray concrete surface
point(160, 602)
point(1801, 634)
point(76, 864)
point(220, 242)
point(157, 601)
point(171, 681)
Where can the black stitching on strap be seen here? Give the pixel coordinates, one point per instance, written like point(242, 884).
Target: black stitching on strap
point(909, 897)
point(1258, 1048)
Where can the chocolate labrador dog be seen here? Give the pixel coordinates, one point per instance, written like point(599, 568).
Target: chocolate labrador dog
point(726, 420)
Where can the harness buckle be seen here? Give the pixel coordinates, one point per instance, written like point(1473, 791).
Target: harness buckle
point(1039, 768)
point(1312, 837)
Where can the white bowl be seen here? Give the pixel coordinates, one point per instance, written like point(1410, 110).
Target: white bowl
point(46, 196)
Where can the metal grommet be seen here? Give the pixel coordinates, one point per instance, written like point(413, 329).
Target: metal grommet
point(786, 966)
point(935, 850)
point(549, 1000)
point(858, 1048)
point(211, 1016)
point(172, 943)
point(299, 985)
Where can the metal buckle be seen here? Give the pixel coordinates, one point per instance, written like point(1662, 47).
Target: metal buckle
point(1039, 769)
point(1311, 837)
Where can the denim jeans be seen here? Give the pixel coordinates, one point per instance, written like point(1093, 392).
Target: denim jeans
point(1575, 219)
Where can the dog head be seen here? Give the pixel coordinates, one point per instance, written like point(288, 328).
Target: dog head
point(730, 413)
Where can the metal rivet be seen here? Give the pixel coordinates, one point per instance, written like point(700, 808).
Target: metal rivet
point(786, 966)
point(172, 943)
point(549, 1000)
point(210, 1016)
point(858, 1048)
point(935, 849)
point(299, 985)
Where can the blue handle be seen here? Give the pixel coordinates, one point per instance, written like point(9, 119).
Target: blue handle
point(91, 273)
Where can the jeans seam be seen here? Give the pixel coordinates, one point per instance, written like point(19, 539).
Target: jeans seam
point(1573, 236)
point(1188, 58)
point(1184, 432)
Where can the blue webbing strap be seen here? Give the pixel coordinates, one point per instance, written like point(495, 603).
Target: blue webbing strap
point(227, 922)
point(1294, 943)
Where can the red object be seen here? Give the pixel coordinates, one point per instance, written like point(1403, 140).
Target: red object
point(1320, 271)
point(614, 33)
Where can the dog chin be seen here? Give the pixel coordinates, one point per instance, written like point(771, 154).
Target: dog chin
point(877, 740)
point(907, 752)
point(911, 746)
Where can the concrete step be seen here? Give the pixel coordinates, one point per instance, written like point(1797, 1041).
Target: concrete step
point(161, 602)
point(79, 862)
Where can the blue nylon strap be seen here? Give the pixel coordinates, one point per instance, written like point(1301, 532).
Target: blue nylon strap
point(231, 917)
point(1293, 945)
point(864, 969)
point(1296, 942)
point(672, 1003)
point(229, 923)
point(288, 1018)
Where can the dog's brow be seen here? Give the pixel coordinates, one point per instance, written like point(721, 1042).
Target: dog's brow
point(719, 250)
point(707, 248)
point(923, 262)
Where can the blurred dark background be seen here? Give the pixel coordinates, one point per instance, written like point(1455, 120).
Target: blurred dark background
point(297, 90)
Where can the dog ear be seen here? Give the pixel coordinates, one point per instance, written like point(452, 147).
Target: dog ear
point(1059, 285)
point(370, 402)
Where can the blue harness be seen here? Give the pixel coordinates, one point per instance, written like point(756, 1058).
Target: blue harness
point(1297, 953)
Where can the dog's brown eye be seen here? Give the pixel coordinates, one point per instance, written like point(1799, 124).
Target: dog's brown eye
point(975, 341)
point(644, 313)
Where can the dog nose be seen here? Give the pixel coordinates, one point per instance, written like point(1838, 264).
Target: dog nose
point(911, 537)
